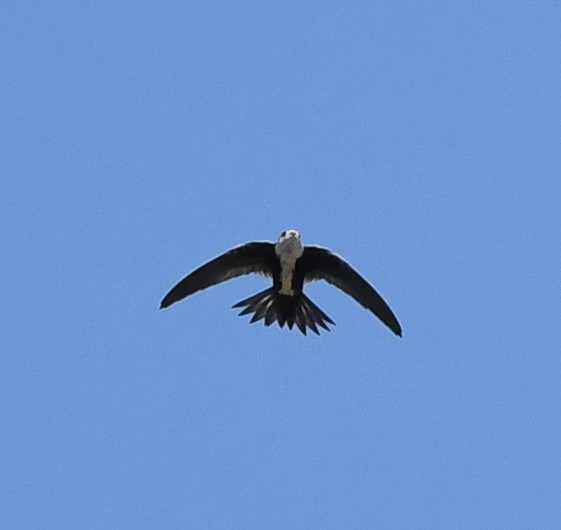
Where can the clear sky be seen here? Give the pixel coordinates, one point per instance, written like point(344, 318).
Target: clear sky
point(422, 141)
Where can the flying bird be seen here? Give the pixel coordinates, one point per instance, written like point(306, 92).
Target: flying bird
point(289, 264)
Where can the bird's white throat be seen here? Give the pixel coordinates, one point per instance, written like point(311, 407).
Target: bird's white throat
point(288, 248)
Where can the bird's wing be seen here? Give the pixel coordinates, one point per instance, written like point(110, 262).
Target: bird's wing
point(322, 264)
point(257, 257)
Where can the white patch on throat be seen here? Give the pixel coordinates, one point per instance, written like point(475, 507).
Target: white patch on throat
point(288, 248)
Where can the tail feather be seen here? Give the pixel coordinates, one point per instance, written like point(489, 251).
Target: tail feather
point(313, 309)
point(260, 308)
point(299, 310)
point(305, 320)
point(271, 314)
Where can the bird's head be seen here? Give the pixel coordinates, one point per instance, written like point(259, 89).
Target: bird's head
point(289, 244)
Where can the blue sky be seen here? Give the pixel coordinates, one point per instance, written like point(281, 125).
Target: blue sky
point(420, 141)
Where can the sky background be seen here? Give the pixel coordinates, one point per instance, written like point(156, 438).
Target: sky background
point(422, 141)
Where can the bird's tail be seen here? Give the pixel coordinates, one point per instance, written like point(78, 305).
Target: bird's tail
point(270, 305)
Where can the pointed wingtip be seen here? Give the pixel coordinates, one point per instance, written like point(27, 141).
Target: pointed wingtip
point(395, 326)
point(168, 300)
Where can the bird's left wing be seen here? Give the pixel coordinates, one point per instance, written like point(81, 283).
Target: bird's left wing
point(257, 257)
point(322, 264)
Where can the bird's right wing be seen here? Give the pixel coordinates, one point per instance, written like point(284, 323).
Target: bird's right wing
point(257, 257)
point(322, 264)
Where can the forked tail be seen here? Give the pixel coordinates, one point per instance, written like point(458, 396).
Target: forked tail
point(298, 309)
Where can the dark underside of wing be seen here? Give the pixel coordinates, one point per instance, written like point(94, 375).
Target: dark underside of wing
point(256, 257)
point(321, 264)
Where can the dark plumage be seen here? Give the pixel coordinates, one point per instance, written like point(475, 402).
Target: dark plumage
point(289, 264)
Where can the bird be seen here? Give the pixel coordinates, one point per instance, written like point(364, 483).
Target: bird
point(289, 264)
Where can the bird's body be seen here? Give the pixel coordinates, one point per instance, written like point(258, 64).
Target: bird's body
point(289, 264)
